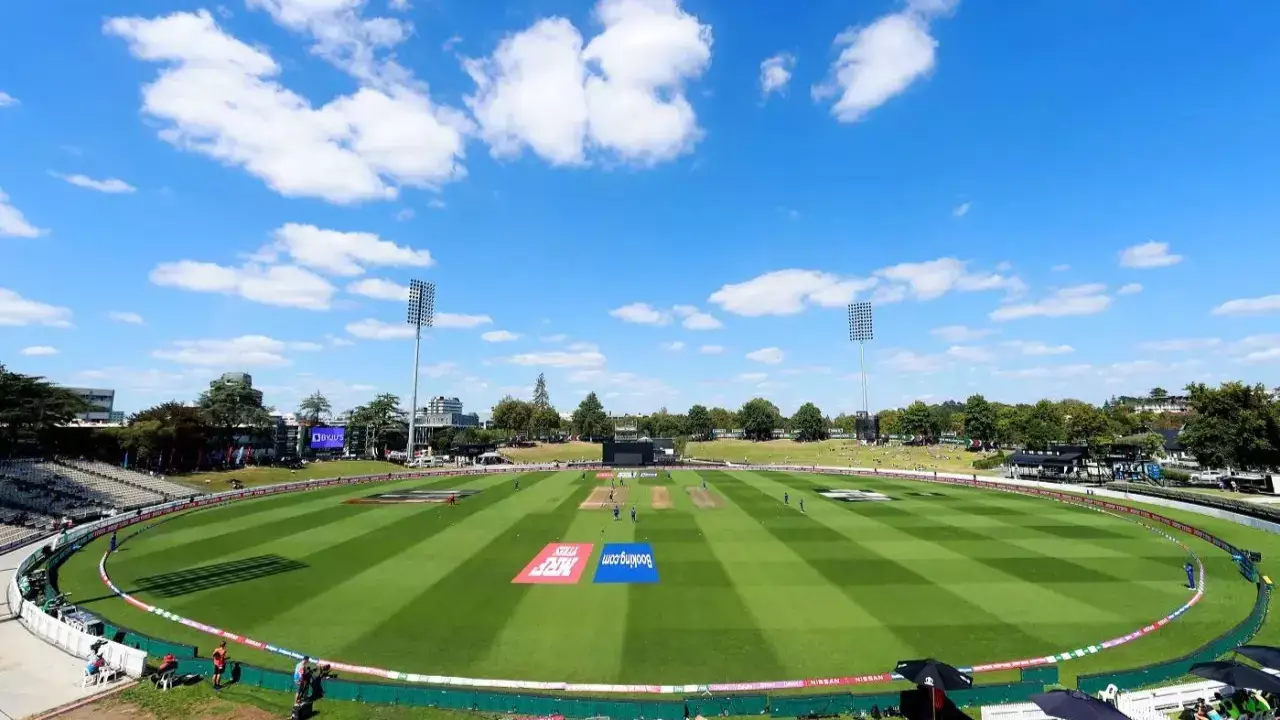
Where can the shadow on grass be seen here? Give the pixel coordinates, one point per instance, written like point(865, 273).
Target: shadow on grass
point(208, 577)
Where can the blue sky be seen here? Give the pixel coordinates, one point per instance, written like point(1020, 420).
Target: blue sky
point(665, 202)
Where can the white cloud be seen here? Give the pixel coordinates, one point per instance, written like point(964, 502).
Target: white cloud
point(130, 318)
point(584, 347)
point(499, 336)
point(1037, 347)
point(934, 278)
point(711, 349)
point(559, 359)
point(752, 377)
point(39, 351)
point(16, 310)
point(281, 285)
point(1087, 299)
point(244, 351)
point(882, 59)
point(399, 5)
point(621, 95)
point(1249, 306)
point(960, 333)
point(1148, 255)
point(1046, 373)
point(970, 353)
point(768, 356)
point(1181, 344)
point(336, 341)
point(788, 292)
point(436, 203)
point(111, 186)
point(371, 329)
point(148, 381)
point(13, 223)
point(641, 314)
point(404, 214)
point(962, 209)
point(906, 361)
point(1256, 348)
point(7, 100)
point(220, 97)
point(695, 319)
point(461, 321)
point(673, 346)
point(775, 73)
point(1060, 268)
point(557, 338)
point(379, 289)
point(1129, 289)
point(440, 369)
point(340, 253)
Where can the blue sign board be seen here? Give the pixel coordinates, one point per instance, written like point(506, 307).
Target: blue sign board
point(1153, 471)
point(626, 563)
point(328, 438)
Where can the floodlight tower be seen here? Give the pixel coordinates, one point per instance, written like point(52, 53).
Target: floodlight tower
point(860, 332)
point(422, 313)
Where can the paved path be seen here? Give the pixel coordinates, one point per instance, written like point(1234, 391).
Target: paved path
point(34, 676)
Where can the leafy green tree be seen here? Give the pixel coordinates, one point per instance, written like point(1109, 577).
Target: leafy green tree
point(722, 419)
point(917, 419)
point(1153, 445)
point(314, 408)
point(808, 423)
point(759, 417)
point(31, 407)
point(979, 418)
point(541, 399)
point(233, 407)
point(1158, 393)
point(699, 422)
point(590, 419)
point(384, 421)
point(1041, 425)
point(543, 421)
point(172, 431)
point(890, 422)
point(512, 415)
point(1086, 424)
point(1008, 419)
point(846, 422)
point(1235, 425)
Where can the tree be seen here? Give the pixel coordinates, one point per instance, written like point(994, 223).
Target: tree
point(890, 422)
point(917, 419)
point(383, 420)
point(173, 432)
point(846, 422)
point(1158, 393)
point(979, 418)
point(1153, 445)
point(808, 423)
point(759, 417)
point(541, 399)
point(1086, 424)
point(31, 407)
point(722, 419)
point(543, 421)
point(1041, 426)
point(314, 408)
point(699, 422)
point(512, 415)
point(1235, 425)
point(233, 407)
point(590, 420)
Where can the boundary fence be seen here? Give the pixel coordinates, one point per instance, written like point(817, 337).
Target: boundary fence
point(1034, 677)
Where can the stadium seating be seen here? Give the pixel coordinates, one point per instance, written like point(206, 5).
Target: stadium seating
point(160, 486)
point(121, 495)
point(28, 485)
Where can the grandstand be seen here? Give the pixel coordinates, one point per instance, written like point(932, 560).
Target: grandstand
point(141, 480)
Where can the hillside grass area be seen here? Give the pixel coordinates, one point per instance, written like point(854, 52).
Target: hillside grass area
point(255, 476)
point(828, 452)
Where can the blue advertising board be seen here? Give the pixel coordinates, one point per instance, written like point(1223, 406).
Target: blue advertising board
point(328, 438)
point(626, 563)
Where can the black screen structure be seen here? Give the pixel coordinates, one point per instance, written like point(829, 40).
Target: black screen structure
point(627, 454)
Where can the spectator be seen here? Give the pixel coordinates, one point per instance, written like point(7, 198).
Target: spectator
point(219, 664)
point(301, 679)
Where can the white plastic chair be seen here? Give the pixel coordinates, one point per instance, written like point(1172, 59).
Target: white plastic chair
point(165, 682)
point(97, 678)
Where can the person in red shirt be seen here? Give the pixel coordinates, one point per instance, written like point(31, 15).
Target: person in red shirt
point(219, 664)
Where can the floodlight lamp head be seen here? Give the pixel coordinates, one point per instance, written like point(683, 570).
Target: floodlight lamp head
point(422, 303)
point(860, 326)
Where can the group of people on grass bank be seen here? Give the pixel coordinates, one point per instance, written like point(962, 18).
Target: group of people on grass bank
point(309, 681)
point(1240, 705)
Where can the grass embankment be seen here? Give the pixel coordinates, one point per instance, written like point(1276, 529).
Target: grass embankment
point(256, 476)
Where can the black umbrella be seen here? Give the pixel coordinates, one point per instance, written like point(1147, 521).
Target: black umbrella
point(933, 673)
point(1268, 657)
point(1237, 676)
point(1075, 705)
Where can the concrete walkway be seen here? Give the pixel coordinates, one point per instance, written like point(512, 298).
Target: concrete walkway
point(34, 676)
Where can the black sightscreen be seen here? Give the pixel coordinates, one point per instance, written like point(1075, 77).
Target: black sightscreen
point(627, 454)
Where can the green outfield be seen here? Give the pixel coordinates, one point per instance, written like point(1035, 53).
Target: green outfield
point(748, 588)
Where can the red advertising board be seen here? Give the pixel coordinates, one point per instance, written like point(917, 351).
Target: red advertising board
point(604, 475)
point(557, 564)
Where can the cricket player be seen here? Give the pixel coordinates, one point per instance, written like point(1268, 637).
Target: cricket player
point(802, 505)
point(1191, 575)
point(615, 513)
point(704, 483)
point(786, 498)
point(633, 513)
point(517, 482)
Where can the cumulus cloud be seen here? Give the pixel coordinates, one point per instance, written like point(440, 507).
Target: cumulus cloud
point(335, 252)
point(220, 97)
point(461, 321)
point(380, 289)
point(111, 186)
point(1088, 299)
point(711, 349)
point(1037, 347)
point(16, 310)
point(907, 361)
point(970, 353)
point(673, 346)
point(1129, 289)
point(130, 318)
point(7, 100)
point(775, 73)
point(280, 285)
point(1148, 255)
point(881, 60)
point(13, 223)
point(243, 351)
point(496, 336)
point(1249, 306)
point(372, 329)
point(560, 359)
point(695, 319)
point(768, 356)
point(621, 95)
point(39, 351)
point(641, 314)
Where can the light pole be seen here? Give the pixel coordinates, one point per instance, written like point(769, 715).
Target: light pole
point(422, 312)
point(860, 332)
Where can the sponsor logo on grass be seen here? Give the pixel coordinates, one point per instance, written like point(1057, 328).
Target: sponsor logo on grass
point(926, 494)
point(852, 496)
point(626, 563)
point(648, 474)
point(603, 475)
point(557, 564)
point(626, 474)
point(416, 496)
